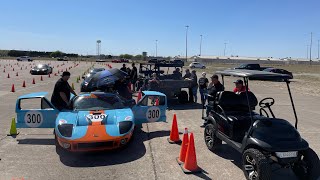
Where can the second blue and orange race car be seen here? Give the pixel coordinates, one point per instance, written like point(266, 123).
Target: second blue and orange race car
point(94, 121)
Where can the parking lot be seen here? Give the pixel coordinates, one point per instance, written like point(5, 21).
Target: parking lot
point(32, 154)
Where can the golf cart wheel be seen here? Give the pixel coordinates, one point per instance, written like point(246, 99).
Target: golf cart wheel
point(183, 97)
point(255, 165)
point(210, 137)
point(308, 165)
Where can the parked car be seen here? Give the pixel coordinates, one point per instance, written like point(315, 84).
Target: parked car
point(62, 59)
point(116, 61)
point(280, 71)
point(197, 65)
point(251, 67)
point(24, 58)
point(124, 60)
point(100, 60)
point(178, 61)
point(157, 61)
point(41, 69)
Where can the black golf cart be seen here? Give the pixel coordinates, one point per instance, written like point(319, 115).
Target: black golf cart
point(262, 139)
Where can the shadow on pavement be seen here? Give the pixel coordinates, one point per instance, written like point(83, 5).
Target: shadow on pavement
point(133, 151)
point(36, 141)
point(189, 106)
point(229, 153)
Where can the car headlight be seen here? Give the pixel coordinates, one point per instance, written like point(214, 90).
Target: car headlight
point(125, 126)
point(65, 129)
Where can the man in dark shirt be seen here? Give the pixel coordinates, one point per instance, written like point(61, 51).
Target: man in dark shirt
point(134, 76)
point(61, 93)
point(214, 87)
point(203, 84)
point(124, 68)
point(188, 77)
point(193, 98)
point(154, 83)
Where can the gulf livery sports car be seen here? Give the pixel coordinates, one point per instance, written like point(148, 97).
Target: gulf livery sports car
point(94, 121)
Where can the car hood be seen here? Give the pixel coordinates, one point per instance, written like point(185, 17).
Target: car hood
point(80, 118)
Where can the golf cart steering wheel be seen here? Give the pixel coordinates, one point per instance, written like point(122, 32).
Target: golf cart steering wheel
point(264, 104)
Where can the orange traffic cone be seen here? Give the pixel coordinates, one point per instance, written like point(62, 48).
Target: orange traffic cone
point(33, 81)
point(8, 75)
point(24, 84)
point(17, 74)
point(21, 68)
point(190, 165)
point(184, 147)
point(174, 133)
point(157, 102)
point(4, 70)
point(13, 69)
point(58, 71)
point(12, 88)
point(49, 76)
point(139, 96)
point(41, 79)
point(55, 74)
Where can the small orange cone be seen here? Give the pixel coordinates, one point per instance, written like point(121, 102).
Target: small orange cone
point(49, 76)
point(4, 70)
point(8, 75)
point(17, 74)
point(58, 71)
point(139, 96)
point(41, 79)
point(174, 133)
point(12, 88)
point(24, 84)
point(13, 69)
point(184, 147)
point(190, 165)
point(21, 68)
point(33, 81)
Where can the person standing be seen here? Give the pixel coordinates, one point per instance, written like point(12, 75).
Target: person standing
point(61, 92)
point(188, 76)
point(203, 84)
point(124, 68)
point(194, 79)
point(134, 76)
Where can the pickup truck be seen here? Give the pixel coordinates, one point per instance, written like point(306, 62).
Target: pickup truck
point(251, 67)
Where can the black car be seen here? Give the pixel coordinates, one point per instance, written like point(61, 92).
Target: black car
point(41, 69)
point(62, 59)
point(88, 77)
point(280, 71)
point(178, 61)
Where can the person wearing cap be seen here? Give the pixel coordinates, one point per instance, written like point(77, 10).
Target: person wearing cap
point(61, 92)
point(203, 84)
point(213, 87)
point(239, 87)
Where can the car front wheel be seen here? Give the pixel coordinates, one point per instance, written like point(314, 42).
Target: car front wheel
point(255, 165)
point(308, 165)
point(210, 137)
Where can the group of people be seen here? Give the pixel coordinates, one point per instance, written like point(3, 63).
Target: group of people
point(205, 87)
point(132, 75)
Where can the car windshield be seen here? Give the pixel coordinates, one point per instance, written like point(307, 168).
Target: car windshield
point(96, 70)
point(243, 66)
point(98, 102)
point(40, 66)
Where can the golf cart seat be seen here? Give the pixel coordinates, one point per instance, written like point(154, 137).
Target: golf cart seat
point(234, 110)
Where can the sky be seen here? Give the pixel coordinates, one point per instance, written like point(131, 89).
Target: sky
point(264, 28)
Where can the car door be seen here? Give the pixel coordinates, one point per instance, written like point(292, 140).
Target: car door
point(35, 112)
point(151, 108)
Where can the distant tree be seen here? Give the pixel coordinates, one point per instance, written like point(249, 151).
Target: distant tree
point(109, 57)
point(126, 56)
point(56, 54)
point(139, 57)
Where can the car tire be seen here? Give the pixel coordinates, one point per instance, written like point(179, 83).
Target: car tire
point(210, 138)
point(255, 165)
point(203, 67)
point(183, 97)
point(308, 165)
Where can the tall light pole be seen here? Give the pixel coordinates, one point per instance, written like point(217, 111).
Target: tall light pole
point(307, 51)
point(156, 48)
point(225, 47)
point(187, 27)
point(200, 44)
point(310, 48)
point(318, 48)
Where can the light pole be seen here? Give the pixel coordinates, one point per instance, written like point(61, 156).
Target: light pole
point(310, 48)
point(307, 51)
point(156, 48)
point(318, 47)
point(187, 27)
point(200, 44)
point(225, 47)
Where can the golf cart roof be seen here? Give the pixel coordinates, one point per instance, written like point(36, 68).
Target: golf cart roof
point(163, 64)
point(255, 75)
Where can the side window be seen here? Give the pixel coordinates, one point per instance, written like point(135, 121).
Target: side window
point(45, 104)
point(153, 101)
point(33, 103)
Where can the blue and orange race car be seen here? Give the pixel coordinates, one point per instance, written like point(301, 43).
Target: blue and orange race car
point(95, 120)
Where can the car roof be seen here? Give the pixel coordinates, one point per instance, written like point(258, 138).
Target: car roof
point(256, 75)
point(34, 95)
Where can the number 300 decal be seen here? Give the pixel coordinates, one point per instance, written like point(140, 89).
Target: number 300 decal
point(96, 118)
point(33, 119)
point(153, 114)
